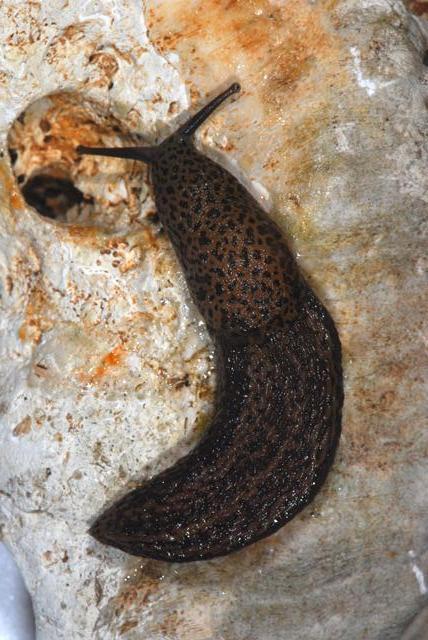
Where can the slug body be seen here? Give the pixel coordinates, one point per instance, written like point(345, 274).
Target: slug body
point(278, 402)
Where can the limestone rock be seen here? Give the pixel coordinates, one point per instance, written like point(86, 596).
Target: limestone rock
point(106, 367)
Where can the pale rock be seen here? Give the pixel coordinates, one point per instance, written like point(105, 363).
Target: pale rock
point(105, 364)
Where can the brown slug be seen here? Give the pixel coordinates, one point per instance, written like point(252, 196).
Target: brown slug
point(279, 397)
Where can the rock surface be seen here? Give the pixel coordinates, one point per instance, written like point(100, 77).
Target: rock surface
point(106, 368)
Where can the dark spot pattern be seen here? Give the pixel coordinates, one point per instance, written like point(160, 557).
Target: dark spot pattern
point(206, 233)
point(278, 403)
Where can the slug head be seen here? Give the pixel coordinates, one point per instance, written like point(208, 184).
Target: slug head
point(181, 137)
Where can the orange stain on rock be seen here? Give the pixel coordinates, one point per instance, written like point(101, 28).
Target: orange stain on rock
point(111, 360)
point(275, 46)
point(81, 235)
point(38, 317)
point(419, 7)
point(10, 188)
point(30, 331)
point(69, 126)
point(23, 428)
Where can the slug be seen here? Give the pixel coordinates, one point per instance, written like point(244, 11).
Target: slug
point(279, 398)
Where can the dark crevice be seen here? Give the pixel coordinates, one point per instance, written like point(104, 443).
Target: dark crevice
point(13, 155)
point(51, 196)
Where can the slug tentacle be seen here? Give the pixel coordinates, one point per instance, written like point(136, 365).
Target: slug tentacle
point(145, 154)
point(278, 403)
point(189, 127)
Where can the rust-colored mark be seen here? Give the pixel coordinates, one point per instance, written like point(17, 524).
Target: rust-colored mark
point(142, 586)
point(69, 126)
point(127, 626)
point(150, 240)
point(124, 257)
point(106, 62)
point(30, 331)
point(22, 333)
point(16, 199)
point(108, 362)
point(172, 625)
point(10, 188)
point(419, 7)
point(79, 234)
point(142, 318)
point(23, 427)
point(37, 317)
point(47, 556)
point(276, 45)
point(65, 42)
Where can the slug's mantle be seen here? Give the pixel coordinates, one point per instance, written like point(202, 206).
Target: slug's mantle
point(104, 368)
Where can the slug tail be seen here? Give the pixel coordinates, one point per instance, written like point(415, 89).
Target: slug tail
point(266, 453)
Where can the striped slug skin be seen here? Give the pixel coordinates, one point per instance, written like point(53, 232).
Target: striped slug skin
point(279, 397)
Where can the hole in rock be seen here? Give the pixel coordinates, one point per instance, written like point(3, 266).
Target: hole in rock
point(61, 185)
point(52, 196)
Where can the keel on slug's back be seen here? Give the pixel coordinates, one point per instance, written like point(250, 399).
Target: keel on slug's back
point(278, 403)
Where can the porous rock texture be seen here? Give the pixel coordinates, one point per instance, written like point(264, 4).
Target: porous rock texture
point(106, 368)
